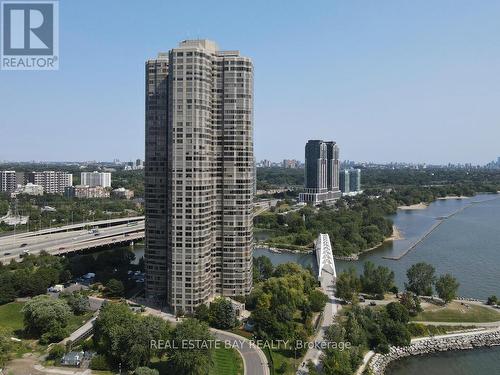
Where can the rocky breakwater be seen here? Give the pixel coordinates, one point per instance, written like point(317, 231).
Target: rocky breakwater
point(428, 345)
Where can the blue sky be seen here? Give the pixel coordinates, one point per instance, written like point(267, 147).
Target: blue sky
point(388, 80)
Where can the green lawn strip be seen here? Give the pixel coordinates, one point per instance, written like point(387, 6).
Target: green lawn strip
point(279, 358)
point(11, 317)
point(226, 362)
point(474, 314)
point(76, 321)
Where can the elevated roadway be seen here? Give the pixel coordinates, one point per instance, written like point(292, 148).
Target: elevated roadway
point(75, 239)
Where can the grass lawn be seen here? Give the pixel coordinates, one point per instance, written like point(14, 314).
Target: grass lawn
point(454, 312)
point(279, 359)
point(227, 362)
point(11, 317)
point(76, 321)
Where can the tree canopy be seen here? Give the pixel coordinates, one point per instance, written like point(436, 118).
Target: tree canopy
point(421, 278)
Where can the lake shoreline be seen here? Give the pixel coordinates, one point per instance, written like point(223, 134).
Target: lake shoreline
point(396, 235)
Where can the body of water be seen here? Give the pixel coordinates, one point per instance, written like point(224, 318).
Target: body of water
point(466, 245)
point(482, 361)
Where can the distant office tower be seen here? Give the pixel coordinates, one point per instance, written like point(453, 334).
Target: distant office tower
point(354, 180)
point(344, 181)
point(8, 181)
point(93, 179)
point(53, 182)
point(321, 173)
point(199, 175)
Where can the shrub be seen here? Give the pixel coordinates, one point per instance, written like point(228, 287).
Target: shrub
point(99, 363)
point(492, 300)
point(418, 330)
point(145, 371)
point(56, 352)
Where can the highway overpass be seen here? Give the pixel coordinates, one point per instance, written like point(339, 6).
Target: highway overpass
point(79, 237)
point(72, 238)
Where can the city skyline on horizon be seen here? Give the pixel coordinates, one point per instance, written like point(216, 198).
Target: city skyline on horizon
point(382, 95)
point(258, 160)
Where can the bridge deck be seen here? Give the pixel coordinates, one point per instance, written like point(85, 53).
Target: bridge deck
point(324, 255)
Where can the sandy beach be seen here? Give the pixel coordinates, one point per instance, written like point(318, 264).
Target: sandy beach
point(396, 234)
point(418, 206)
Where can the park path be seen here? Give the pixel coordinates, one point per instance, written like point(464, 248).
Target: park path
point(332, 308)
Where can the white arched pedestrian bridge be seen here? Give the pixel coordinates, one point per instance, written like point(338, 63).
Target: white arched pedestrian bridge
point(324, 255)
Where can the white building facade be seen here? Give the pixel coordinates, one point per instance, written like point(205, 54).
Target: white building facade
point(93, 179)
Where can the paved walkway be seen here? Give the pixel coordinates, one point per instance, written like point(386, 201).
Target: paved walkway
point(366, 359)
point(331, 309)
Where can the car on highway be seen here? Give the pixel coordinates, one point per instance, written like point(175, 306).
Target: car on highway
point(23, 245)
point(6, 254)
point(61, 248)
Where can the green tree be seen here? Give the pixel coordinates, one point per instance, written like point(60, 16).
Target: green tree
point(7, 291)
point(5, 346)
point(447, 287)
point(124, 337)
point(114, 288)
point(146, 371)
point(397, 312)
point(355, 333)
point(202, 313)
point(56, 352)
point(78, 302)
point(318, 300)
point(194, 360)
point(397, 333)
point(348, 285)
point(337, 362)
point(492, 300)
point(47, 316)
point(411, 302)
point(376, 280)
point(421, 279)
point(262, 268)
point(99, 362)
point(222, 313)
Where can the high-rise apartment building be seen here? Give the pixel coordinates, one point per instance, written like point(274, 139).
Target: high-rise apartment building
point(8, 181)
point(344, 181)
point(93, 179)
point(53, 182)
point(321, 172)
point(354, 180)
point(199, 175)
